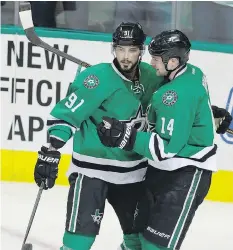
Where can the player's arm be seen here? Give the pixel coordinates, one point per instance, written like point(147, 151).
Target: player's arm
point(66, 117)
point(176, 124)
point(68, 114)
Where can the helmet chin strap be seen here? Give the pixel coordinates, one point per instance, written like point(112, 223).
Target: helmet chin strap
point(180, 67)
point(171, 70)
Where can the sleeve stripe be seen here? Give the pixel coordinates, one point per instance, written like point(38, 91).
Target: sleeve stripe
point(203, 152)
point(202, 158)
point(161, 149)
point(51, 125)
point(51, 119)
point(156, 147)
point(54, 122)
point(151, 147)
point(56, 137)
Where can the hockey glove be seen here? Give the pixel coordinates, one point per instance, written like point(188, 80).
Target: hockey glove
point(222, 119)
point(46, 168)
point(113, 133)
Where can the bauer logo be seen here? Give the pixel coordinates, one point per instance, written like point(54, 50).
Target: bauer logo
point(228, 138)
point(48, 159)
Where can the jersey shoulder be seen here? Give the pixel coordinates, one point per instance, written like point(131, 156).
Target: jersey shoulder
point(102, 71)
point(190, 82)
point(188, 87)
point(97, 76)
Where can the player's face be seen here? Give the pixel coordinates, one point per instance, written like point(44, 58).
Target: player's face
point(127, 56)
point(157, 63)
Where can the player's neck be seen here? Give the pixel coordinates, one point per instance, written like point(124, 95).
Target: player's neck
point(130, 75)
point(175, 72)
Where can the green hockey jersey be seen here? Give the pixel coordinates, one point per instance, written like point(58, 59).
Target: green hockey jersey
point(180, 123)
point(98, 91)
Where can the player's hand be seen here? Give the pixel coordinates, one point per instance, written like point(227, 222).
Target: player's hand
point(222, 119)
point(46, 168)
point(113, 133)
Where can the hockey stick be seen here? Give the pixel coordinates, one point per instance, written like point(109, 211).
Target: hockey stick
point(28, 246)
point(25, 15)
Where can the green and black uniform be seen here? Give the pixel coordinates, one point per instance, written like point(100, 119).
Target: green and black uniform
point(102, 90)
point(182, 155)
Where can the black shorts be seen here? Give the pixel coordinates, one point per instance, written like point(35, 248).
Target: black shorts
point(86, 202)
point(171, 200)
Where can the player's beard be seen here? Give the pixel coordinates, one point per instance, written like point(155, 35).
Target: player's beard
point(129, 70)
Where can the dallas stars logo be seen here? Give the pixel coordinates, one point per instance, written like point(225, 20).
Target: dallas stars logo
point(91, 82)
point(138, 121)
point(97, 217)
point(169, 98)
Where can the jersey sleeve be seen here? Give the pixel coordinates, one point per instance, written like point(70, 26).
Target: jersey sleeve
point(86, 94)
point(175, 114)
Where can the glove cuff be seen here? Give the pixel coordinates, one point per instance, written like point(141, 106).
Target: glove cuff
point(47, 151)
point(130, 133)
point(132, 139)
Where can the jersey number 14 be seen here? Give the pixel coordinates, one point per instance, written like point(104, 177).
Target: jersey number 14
point(169, 126)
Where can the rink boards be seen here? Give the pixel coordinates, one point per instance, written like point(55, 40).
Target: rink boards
point(33, 80)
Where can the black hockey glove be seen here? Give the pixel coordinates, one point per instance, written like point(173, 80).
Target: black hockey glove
point(46, 168)
point(113, 133)
point(222, 119)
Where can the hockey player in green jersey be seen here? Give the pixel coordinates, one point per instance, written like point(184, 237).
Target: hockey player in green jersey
point(122, 89)
point(179, 144)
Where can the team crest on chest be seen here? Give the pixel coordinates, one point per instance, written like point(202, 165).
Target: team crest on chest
point(138, 121)
point(91, 82)
point(169, 98)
